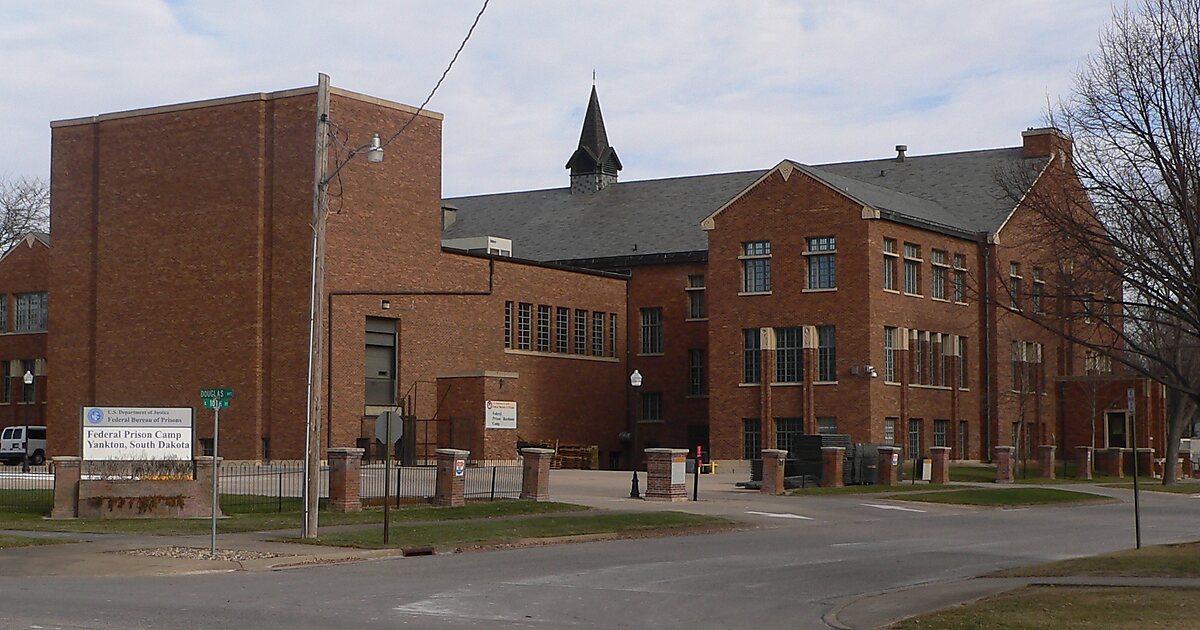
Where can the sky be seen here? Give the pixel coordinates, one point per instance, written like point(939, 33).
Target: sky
point(686, 86)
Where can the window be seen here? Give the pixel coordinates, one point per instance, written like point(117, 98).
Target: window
point(695, 293)
point(697, 383)
point(652, 406)
point(827, 426)
point(1039, 288)
point(31, 312)
point(937, 280)
point(789, 361)
point(889, 430)
point(826, 353)
point(935, 359)
point(946, 375)
point(940, 427)
point(914, 438)
point(1096, 363)
point(580, 331)
point(1014, 286)
point(889, 354)
point(918, 353)
point(612, 334)
point(756, 267)
point(3, 313)
point(652, 341)
point(961, 451)
point(543, 328)
point(962, 362)
point(6, 384)
point(912, 269)
point(890, 259)
point(562, 318)
point(960, 278)
point(751, 355)
point(380, 362)
point(751, 438)
point(1017, 352)
point(508, 324)
point(787, 432)
point(524, 316)
point(822, 266)
point(598, 334)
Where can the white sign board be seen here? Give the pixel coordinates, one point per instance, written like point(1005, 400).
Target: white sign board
point(500, 414)
point(678, 470)
point(137, 433)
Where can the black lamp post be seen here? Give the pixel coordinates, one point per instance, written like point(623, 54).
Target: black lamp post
point(28, 379)
point(635, 381)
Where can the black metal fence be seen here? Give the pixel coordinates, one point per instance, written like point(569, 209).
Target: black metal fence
point(269, 487)
point(26, 492)
point(404, 483)
point(492, 482)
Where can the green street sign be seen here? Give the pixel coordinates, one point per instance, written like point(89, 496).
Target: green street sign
point(223, 394)
point(216, 403)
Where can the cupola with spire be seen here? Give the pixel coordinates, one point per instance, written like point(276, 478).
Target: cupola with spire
point(594, 164)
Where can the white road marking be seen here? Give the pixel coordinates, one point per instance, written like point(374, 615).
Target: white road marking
point(780, 515)
point(893, 507)
point(847, 544)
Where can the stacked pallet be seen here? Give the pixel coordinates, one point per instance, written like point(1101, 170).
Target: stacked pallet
point(576, 457)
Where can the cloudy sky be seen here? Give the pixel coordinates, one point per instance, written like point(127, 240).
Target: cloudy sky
point(687, 86)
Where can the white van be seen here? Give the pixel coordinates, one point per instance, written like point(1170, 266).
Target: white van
point(15, 442)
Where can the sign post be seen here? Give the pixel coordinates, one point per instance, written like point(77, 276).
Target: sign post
point(1130, 403)
point(387, 425)
point(215, 399)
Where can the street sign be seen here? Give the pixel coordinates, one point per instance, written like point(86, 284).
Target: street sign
point(216, 403)
point(381, 426)
point(223, 394)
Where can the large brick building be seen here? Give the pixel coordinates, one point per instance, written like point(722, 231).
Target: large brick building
point(23, 310)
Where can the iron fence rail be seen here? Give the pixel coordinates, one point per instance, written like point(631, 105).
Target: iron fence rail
point(27, 492)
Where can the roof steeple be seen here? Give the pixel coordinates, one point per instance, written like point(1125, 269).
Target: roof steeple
point(594, 164)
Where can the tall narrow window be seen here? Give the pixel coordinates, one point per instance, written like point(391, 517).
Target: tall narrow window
point(756, 267)
point(3, 313)
point(912, 269)
point(889, 354)
point(826, 354)
point(937, 278)
point(962, 362)
point(543, 328)
point(1014, 286)
point(524, 322)
point(789, 363)
point(940, 429)
point(822, 264)
point(1017, 352)
point(945, 374)
point(751, 355)
point(890, 260)
point(916, 349)
point(960, 278)
point(914, 438)
point(1039, 289)
point(380, 360)
point(751, 438)
point(652, 340)
point(581, 318)
point(31, 312)
point(889, 431)
point(652, 406)
point(597, 334)
point(935, 359)
point(695, 293)
point(697, 382)
point(612, 334)
point(508, 324)
point(562, 318)
point(6, 384)
point(787, 434)
point(961, 451)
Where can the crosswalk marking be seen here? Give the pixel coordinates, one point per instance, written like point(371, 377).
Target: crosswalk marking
point(893, 507)
point(780, 515)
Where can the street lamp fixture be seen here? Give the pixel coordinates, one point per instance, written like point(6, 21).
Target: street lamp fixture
point(635, 381)
point(28, 380)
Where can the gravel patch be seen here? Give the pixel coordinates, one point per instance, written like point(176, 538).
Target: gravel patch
point(200, 553)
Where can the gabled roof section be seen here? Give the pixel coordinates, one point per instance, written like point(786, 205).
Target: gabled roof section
point(594, 152)
point(27, 241)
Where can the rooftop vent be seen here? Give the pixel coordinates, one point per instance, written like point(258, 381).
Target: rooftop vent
point(900, 149)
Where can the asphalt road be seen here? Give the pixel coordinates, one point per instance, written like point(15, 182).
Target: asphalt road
point(788, 571)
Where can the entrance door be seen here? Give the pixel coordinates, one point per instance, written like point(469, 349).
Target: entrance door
point(1116, 428)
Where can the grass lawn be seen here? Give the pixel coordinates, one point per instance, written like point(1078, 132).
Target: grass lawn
point(901, 487)
point(7, 542)
point(507, 531)
point(1071, 607)
point(972, 472)
point(1181, 560)
point(1004, 497)
point(262, 517)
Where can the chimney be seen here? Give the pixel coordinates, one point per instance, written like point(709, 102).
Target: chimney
point(900, 149)
point(1042, 142)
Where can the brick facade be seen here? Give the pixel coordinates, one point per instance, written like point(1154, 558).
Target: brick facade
point(23, 270)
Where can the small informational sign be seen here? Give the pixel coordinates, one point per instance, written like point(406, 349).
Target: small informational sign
point(678, 469)
point(460, 467)
point(137, 433)
point(895, 458)
point(500, 414)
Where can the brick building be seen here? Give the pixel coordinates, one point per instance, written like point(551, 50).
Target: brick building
point(23, 305)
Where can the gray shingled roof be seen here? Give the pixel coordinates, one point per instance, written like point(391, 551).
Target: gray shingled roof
point(956, 191)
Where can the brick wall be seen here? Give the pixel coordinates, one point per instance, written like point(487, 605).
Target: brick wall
point(23, 269)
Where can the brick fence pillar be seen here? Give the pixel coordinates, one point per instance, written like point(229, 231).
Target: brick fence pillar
point(206, 468)
point(1046, 461)
point(772, 471)
point(666, 474)
point(832, 463)
point(535, 473)
point(940, 472)
point(1145, 461)
point(1083, 462)
point(345, 479)
point(451, 473)
point(887, 473)
point(66, 487)
point(1185, 465)
point(1110, 463)
point(1004, 463)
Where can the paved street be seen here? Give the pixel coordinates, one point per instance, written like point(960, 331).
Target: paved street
point(803, 560)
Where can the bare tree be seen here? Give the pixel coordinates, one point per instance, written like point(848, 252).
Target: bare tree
point(24, 208)
point(1124, 219)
